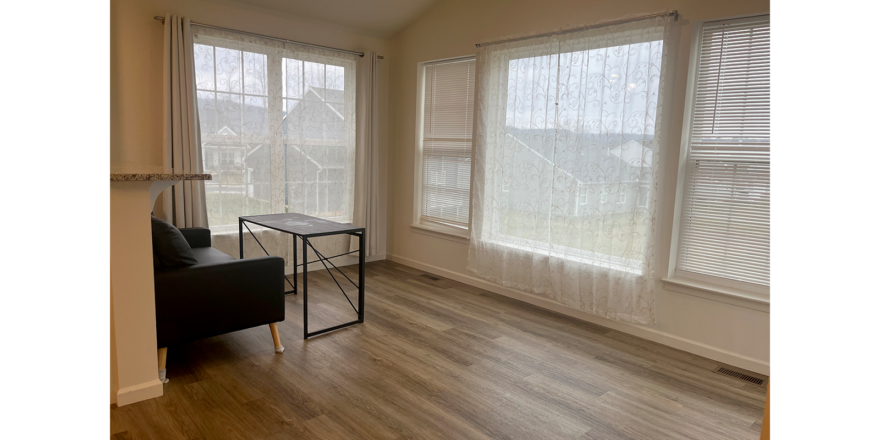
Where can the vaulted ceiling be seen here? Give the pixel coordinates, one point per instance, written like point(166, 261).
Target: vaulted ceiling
point(379, 18)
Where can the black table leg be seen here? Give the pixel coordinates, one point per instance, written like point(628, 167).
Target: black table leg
point(240, 241)
point(294, 264)
point(361, 274)
point(305, 288)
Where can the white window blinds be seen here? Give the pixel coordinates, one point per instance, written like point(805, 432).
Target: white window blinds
point(446, 142)
point(725, 223)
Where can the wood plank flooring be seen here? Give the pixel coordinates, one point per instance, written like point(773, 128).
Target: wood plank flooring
point(438, 359)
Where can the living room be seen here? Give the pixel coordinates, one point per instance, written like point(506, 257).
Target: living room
point(448, 219)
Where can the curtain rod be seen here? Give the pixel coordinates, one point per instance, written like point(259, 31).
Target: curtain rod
point(583, 28)
point(360, 54)
point(450, 60)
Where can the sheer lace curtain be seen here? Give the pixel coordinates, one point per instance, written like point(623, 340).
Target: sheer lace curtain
point(277, 127)
point(565, 172)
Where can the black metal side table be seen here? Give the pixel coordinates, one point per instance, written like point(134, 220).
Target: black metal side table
point(306, 227)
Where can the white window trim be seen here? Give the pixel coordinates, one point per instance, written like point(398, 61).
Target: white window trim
point(715, 292)
point(438, 230)
point(757, 299)
point(459, 235)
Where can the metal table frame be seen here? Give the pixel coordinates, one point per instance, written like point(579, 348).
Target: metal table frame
point(355, 231)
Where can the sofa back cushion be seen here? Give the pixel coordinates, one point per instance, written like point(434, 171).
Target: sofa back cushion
point(170, 249)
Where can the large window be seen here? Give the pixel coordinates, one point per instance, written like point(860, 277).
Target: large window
point(445, 138)
point(277, 128)
point(573, 167)
point(724, 230)
point(566, 150)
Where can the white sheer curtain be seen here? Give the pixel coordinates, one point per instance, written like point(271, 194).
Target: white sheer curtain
point(566, 153)
point(277, 134)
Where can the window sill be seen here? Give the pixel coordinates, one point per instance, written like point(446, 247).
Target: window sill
point(714, 292)
point(458, 236)
point(618, 264)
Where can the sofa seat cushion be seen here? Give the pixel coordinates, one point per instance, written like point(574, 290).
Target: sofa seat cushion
point(209, 255)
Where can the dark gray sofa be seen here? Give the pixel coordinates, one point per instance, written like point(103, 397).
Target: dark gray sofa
point(220, 294)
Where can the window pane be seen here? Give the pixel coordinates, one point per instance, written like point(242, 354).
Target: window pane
point(317, 137)
point(725, 223)
point(293, 78)
point(207, 112)
point(577, 153)
point(255, 74)
point(314, 76)
point(256, 116)
point(228, 68)
point(446, 142)
point(335, 78)
point(229, 114)
point(204, 66)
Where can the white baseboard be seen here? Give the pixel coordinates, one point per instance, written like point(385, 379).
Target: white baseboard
point(140, 392)
point(346, 260)
point(688, 345)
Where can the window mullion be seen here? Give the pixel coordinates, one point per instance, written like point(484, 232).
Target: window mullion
point(276, 141)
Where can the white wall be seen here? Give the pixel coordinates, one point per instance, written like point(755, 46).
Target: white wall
point(136, 76)
point(728, 333)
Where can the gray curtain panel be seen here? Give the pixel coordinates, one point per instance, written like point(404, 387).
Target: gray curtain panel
point(366, 193)
point(184, 203)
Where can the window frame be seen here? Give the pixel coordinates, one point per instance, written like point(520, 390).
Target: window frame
point(576, 255)
point(275, 70)
point(419, 225)
point(710, 287)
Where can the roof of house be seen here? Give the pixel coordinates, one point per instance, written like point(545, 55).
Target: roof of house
point(624, 152)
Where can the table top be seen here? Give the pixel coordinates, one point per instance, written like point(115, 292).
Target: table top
point(301, 224)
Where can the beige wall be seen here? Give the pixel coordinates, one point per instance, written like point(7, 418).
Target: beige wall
point(136, 79)
point(113, 375)
point(719, 330)
point(114, 140)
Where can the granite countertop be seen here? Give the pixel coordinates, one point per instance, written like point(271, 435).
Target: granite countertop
point(155, 177)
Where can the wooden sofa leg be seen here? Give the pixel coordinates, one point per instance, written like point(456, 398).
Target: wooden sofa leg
point(163, 355)
point(277, 339)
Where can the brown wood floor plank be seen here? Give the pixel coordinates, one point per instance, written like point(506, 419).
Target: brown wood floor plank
point(438, 359)
point(117, 424)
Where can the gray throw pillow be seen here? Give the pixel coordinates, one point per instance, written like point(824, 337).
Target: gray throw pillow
point(170, 249)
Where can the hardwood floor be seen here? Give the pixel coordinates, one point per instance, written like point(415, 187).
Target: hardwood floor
point(437, 359)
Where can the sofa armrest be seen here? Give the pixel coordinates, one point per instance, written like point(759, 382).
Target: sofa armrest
point(197, 237)
point(201, 301)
